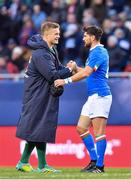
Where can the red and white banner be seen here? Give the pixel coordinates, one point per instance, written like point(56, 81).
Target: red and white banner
point(69, 151)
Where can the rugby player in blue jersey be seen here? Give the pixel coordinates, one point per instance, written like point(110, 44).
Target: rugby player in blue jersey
point(96, 109)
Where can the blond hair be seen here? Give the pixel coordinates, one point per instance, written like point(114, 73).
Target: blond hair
point(48, 25)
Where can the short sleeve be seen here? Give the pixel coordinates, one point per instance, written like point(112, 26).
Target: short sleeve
point(94, 61)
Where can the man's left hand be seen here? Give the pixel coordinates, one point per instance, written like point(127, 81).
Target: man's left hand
point(59, 82)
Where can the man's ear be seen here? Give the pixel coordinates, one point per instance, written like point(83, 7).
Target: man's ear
point(93, 38)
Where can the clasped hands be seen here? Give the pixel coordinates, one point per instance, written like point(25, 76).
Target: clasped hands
point(73, 67)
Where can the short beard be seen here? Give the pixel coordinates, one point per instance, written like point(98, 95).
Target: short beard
point(88, 45)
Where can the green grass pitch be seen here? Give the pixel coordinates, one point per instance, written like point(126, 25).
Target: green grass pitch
point(67, 173)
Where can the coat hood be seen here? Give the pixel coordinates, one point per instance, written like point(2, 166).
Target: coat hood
point(36, 42)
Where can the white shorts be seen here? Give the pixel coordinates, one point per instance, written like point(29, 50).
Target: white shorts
point(97, 106)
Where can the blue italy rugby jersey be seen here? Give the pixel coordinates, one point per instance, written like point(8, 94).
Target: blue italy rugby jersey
point(97, 82)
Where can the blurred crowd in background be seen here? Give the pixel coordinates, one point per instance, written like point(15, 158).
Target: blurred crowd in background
point(20, 19)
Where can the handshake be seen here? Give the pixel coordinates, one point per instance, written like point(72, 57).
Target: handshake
point(72, 66)
point(58, 90)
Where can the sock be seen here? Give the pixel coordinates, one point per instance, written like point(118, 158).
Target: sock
point(89, 143)
point(29, 146)
point(41, 152)
point(101, 147)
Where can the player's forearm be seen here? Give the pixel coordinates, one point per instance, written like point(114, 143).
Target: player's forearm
point(82, 74)
point(79, 69)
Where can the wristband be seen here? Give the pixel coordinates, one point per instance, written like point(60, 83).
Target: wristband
point(68, 80)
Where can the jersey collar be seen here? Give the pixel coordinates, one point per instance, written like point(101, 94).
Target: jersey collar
point(96, 46)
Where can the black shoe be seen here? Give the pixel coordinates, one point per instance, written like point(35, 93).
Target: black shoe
point(91, 165)
point(97, 169)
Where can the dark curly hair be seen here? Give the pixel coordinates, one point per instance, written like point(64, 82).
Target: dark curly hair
point(93, 30)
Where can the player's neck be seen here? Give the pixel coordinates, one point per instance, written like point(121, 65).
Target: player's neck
point(94, 44)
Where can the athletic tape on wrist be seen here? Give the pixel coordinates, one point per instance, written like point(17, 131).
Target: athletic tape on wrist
point(68, 80)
